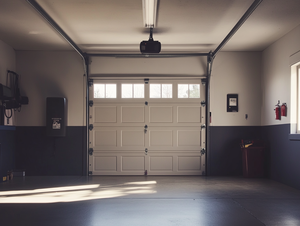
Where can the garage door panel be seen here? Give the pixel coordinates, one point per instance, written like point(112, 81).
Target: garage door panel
point(117, 163)
point(188, 114)
point(160, 114)
point(188, 138)
point(105, 138)
point(105, 114)
point(161, 138)
point(189, 163)
point(105, 163)
point(174, 138)
point(131, 114)
point(131, 138)
point(133, 163)
point(161, 163)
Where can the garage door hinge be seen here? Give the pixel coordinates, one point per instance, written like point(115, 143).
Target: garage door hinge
point(90, 172)
point(146, 102)
point(91, 150)
point(203, 126)
point(203, 151)
point(91, 103)
point(203, 103)
point(91, 82)
point(146, 80)
point(91, 127)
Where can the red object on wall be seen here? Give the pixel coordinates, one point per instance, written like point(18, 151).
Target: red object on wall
point(283, 109)
point(253, 161)
point(277, 112)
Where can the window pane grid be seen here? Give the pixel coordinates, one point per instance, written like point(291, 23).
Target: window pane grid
point(138, 90)
point(188, 90)
point(133, 91)
point(194, 91)
point(105, 91)
point(127, 91)
point(111, 91)
point(161, 91)
point(155, 91)
point(167, 91)
point(99, 91)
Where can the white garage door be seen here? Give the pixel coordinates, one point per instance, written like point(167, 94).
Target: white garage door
point(151, 128)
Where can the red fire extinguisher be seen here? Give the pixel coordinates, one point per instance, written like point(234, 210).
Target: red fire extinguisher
point(283, 109)
point(277, 111)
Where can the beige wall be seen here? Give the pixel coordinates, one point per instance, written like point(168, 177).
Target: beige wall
point(61, 74)
point(7, 60)
point(237, 73)
point(50, 74)
point(276, 76)
point(181, 66)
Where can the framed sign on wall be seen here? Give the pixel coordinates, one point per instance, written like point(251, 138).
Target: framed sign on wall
point(232, 103)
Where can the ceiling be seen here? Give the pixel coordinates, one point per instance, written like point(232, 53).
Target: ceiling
point(116, 26)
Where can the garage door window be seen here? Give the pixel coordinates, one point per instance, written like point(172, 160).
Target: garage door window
point(133, 91)
point(161, 91)
point(105, 91)
point(188, 90)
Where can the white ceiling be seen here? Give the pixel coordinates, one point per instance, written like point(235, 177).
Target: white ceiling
point(111, 26)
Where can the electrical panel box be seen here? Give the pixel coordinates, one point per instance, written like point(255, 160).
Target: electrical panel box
point(232, 102)
point(56, 116)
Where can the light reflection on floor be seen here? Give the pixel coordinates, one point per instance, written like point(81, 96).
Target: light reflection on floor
point(76, 193)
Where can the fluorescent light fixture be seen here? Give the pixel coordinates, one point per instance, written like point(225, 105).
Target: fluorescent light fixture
point(149, 12)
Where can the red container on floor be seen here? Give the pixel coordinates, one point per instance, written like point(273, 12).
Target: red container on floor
point(253, 161)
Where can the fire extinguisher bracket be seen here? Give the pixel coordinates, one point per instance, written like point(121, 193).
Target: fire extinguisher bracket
point(278, 111)
point(283, 109)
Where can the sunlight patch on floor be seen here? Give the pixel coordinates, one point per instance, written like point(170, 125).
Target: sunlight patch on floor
point(76, 193)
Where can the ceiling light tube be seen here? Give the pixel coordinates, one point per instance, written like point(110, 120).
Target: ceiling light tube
point(149, 12)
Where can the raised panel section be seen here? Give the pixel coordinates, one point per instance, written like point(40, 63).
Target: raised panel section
point(161, 138)
point(106, 114)
point(133, 163)
point(106, 138)
point(161, 163)
point(160, 114)
point(105, 163)
point(188, 138)
point(189, 163)
point(133, 138)
point(133, 114)
point(189, 114)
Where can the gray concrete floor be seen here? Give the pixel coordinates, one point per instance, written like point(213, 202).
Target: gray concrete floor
point(152, 200)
